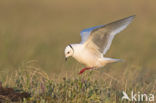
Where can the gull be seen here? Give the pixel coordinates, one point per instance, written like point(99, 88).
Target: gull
point(95, 42)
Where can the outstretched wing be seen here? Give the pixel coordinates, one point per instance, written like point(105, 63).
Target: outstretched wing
point(100, 38)
point(86, 32)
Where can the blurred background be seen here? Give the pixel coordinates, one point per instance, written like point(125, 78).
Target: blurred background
point(39, 31)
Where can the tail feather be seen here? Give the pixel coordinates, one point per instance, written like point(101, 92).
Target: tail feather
point(111, 60)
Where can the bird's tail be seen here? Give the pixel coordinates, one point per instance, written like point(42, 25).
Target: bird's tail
point(112, 60)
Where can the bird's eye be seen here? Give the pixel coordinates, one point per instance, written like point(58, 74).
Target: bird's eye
point(68, 52)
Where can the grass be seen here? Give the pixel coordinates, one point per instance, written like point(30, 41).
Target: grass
point(78, 89)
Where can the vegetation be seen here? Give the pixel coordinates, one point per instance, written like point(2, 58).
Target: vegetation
point(78, 89)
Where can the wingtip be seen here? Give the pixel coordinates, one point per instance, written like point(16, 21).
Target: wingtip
point(129, 19)
point(132, 17)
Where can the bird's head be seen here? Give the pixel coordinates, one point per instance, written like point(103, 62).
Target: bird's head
point(68, 51)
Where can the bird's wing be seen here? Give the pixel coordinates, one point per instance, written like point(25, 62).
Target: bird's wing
point(86, 32)
point(100, 37)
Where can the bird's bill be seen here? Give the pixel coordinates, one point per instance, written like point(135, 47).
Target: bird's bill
point(66, 58)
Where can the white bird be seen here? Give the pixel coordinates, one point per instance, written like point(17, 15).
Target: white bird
point(95, 43)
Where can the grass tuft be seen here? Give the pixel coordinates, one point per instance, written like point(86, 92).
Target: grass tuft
point(78, 89)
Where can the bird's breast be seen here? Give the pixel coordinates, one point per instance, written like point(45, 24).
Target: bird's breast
point(86, 57)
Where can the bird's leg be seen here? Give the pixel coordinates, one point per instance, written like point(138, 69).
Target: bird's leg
point(84, 69)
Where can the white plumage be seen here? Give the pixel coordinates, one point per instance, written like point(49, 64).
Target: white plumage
point(95, 42)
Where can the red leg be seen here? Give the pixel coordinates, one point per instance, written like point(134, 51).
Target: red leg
point(84, 69)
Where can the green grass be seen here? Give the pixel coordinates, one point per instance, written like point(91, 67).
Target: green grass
point(86, 88)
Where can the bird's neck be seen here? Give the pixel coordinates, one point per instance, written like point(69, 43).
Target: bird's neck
point(77, 48)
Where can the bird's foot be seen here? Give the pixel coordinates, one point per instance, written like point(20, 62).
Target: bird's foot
point(84, 69)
